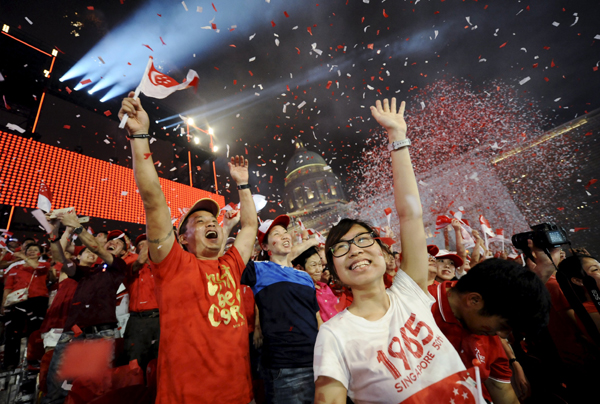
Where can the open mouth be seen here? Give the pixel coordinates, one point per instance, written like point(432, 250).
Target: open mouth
point(111, 248)
point(359, 265)
point(286, 244)
point(211, 234)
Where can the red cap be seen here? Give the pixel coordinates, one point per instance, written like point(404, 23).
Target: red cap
point(207, 204)
point(267, 225)
point(119, 234)
point(139, 238)
point(458, 262)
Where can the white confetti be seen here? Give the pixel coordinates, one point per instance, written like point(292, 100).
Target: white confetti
point(252, 36)
point(558, 99)
point(102, 60)
point(435, 33)
point(468, 18)
point(525, 80)
point(556, 24)
point(252, 59)
point(303, 103)
point(106, 141)
point(199, 9)
point(29, 21)
point(184, 6)
point(482, 60)
point(173, 169)
point(124, 193)
point(276, 42)
point(576, 19)
point(597, 37)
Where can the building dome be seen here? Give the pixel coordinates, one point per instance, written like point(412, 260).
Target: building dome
point(301, 158)
point(310, 185)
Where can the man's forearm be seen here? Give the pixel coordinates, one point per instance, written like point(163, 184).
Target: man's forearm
point(145, 174)
point(248, 217)
point(90, 242)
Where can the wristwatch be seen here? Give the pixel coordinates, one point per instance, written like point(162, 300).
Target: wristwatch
point(243, 186)
point(398, 144)
point(78, 230)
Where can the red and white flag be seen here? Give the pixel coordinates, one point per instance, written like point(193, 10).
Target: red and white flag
point(301, 224)
point(459, 388)
point(158, 85)
point(442, 222)
point(486, 227)
point(388, 215)
point(44, 198)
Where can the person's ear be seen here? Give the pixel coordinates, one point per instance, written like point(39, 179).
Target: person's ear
point(577, 281)
point(265, 246)
point(183, 239)
point(474, 300)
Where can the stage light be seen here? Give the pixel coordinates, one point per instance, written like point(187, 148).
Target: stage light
point(215, 148)
point(155, 121)
point(5, 28)
point(211, 131)
point(190, 122)
point(196, 140)
point(54, 52)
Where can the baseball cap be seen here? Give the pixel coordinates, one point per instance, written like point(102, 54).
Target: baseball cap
point(458, 262)
point(119, 234)
point(207, 204)
point(267, 225)
point(139, 238)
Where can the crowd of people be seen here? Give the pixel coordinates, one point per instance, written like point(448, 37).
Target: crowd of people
point(280, 317)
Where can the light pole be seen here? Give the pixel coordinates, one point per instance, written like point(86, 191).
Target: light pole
point(212, 149)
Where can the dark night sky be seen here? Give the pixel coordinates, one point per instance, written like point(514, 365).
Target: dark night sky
point(380, 49)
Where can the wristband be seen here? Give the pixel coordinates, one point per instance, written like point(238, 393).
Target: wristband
point(398, 144)
point(140, 136)
point(243, 186)
point(511, 361)
point(78, 230)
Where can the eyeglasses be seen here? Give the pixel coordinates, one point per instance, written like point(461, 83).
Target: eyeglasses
point(362, 240)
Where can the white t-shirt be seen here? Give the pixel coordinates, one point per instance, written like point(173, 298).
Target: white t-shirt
point(388, 360)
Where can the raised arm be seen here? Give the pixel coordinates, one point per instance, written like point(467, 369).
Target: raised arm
point(244, 242)
point(230, 219)
point(159, 228)
point(406, 194)
point(56, 247)
point(70, 219)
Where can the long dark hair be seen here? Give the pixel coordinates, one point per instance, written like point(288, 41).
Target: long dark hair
point(337, 232)
point(571, 267)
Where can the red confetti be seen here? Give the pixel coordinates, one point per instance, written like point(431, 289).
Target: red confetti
point(160, 15)
point(147, 155)
point(576, 229)
point(91, 8)
point(213, 25)
point(592, 182)
point(286, 14)
point(250, 71)
point(148, 47)
point(298, 50)
point(129, 63)
point(561, 209)
point(552, 63)
point(370, 46)
point(535, 65)
point(272, 23)
point(213, 4)
point(67, 126)
point(503, 45)
point(68, 90)
point(86, 81)
point(107, 113)
point(309, 29)
point(163, 42)
point(437, 12)
point(384, 14)
point(328, 84)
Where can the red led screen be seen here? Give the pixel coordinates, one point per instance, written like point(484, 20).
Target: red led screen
point(94, 187)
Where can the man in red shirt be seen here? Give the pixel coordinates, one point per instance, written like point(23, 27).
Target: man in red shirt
point(203, 354)
point(142, 332)
point(475, 312)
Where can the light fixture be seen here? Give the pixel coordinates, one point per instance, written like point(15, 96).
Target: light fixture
point(196, 140)
point(190, 121)
point(215, 148)
point(211, 131)
point(5, 28)
point(46, 73)
point(54, 52)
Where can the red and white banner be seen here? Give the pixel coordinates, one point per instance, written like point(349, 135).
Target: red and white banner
point(388, 215)
point(158, 85)
point(459, 388)
point(44, 198)
point(442, 222)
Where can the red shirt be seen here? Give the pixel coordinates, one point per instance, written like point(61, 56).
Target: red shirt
point(204, 355)
point(140, 286)
point(488, 349)
point(20, 276)
point(56, 316)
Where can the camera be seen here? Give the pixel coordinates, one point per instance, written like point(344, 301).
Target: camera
point(544, 236)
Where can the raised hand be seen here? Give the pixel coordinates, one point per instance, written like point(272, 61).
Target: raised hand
point(238, 169)
point(70, 219)
point(138, 122)
point(390, 118)
point(455, 224)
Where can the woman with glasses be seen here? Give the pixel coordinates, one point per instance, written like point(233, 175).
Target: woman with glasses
point(288, 314)
point(385, 346)
point(310, 262)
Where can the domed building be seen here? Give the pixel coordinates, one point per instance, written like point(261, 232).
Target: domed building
point(310, 186)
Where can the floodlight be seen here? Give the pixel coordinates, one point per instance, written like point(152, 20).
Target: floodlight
point(196, 140)
point(190, 121)
point(215, 148)
point(211, 131)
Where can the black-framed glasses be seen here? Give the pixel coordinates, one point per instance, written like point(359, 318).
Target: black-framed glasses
point(362, 240)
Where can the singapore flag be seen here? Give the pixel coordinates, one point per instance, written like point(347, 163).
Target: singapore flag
point(45, 198)
point(158, 85)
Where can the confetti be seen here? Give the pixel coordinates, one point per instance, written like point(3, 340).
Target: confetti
point(184, 6)
point(29, 21)
point(86, 81)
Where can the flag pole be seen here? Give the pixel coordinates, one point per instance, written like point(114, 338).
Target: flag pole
point(137, 92)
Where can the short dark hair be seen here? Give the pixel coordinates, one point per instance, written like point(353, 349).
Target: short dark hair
point(82, 250)
point(302, 258)
point(101, 232)
point(510, 291)
point(34, 244)
point(337, 232)
point(572, 267)
point(183, 227)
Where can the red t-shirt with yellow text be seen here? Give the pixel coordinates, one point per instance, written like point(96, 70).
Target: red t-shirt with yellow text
point(204, 353)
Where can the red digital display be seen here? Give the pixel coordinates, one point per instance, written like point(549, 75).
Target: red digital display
point(93, 187)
